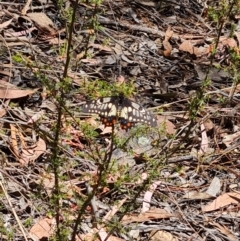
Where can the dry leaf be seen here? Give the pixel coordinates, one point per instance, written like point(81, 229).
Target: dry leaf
point(222, 201)
point(5, 24)
point(229, 139)
point(23, 152)
point(105, 130)
point(91, 121)
point(14, 93)
point(31, 153)
point(214, 187)
point(88, 237)
point(76, 77)
point(120, 80)
point(114, 210)
point(166, 44)
point(43, 23)
point(36, 117)
point(194, 195)
point(49, 105)
point(148, 196)
point(80, 55)
point(170, 127)
point(101, 47)
point(156, 213)
point(103, 235)
point(204, 142)
point(9, 91)
point(48, 181)
point(56, 41)
point(2, 112)
point(161, 236)
point(13, 142)
point(91, 61)
point(188, 47)
point(230, 42)
point(42, 229)
point(124, 58)
point(208, 124)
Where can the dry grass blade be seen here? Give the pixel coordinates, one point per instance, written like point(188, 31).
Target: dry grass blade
point(3, 185)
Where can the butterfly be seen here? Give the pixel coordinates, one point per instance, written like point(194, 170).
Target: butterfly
point(119, 109)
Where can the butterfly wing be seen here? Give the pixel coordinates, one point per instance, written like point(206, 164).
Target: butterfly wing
point(132, 113)
point(106, 108)
point(114, 108)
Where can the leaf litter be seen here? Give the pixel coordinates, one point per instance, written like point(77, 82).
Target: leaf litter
point(166, 50)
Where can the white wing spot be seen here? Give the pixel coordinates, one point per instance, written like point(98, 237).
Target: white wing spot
point(135, 105)
point(113, 110)
point(103, 107)
point(106, 100)
point(123, 113)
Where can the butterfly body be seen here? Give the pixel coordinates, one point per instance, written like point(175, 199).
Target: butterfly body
point(119, 109)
